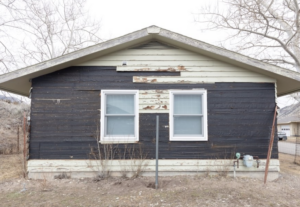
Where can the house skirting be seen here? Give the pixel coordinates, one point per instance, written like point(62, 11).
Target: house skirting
point(41, 169)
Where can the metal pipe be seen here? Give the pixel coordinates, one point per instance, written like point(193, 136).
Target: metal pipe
point(234, 169)
point(257, 161)
point(157, 139)
point(237, 164)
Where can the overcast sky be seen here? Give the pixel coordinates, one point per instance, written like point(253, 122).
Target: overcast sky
point(121, 17)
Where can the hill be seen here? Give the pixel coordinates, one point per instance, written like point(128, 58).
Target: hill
point(11, 114)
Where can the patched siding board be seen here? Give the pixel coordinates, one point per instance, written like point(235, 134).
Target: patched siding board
point(155, 56)
point(154, 101)
point(181, 69)
point(194, 80)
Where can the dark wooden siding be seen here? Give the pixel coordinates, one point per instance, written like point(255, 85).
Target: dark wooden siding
point(239, 116)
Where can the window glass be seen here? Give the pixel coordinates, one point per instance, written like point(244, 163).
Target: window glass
point(187, 125)
point(187, 104)
point(119, 104)
point(120, 125)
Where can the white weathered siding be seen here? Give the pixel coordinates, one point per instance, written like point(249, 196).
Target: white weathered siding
point(154, 101)
point(193, 68)
point(37, 169)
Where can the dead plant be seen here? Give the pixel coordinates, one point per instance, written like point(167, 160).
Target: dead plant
point(62, 175)
point(44, 183)
point(138, 160)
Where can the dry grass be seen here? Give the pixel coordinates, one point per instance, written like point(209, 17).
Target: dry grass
point(11, 166)
point(287, 164)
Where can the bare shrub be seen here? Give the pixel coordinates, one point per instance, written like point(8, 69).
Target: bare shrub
point(44, 183)
point(138, 158)
point(222, 171)
point(105, 154)
point(63, 175)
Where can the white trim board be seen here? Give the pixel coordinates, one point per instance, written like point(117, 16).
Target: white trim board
point(90, 168)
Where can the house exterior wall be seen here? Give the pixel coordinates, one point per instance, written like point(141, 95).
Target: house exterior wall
point(65, 115)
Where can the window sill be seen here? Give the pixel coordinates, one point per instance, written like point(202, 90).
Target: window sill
point(118, 142)
point(189, 139)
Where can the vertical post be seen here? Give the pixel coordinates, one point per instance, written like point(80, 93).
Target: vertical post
point(24, 147)
point(18, 141)
point(157, 140)
point(24, 133)
point(270, 146)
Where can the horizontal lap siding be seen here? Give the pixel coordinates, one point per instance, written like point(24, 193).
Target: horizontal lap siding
point(193, 68)
point(66, 111)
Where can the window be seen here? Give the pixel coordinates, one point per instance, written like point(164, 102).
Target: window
point(188, 115)
point(119, 116)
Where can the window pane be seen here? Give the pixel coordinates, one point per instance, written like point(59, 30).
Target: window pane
point(187, 104)
point(120, 104)
point(120, 125)
point(187, 125)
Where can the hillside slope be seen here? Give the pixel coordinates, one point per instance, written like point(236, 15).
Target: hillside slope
point(11, 115)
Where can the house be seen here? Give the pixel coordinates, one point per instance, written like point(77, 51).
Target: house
point(288, 120)
point(211, 102)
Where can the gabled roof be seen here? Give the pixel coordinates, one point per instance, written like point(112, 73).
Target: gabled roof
point(18, 81)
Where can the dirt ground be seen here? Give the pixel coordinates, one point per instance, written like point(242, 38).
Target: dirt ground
point(173, 191)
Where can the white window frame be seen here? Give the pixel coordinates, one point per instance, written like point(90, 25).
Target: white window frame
point(202, 92)
point(119, 139)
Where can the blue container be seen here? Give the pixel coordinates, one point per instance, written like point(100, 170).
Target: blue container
point(248, 160)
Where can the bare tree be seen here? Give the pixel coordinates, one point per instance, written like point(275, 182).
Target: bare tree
point(33, 31)
point(268, 30)
point(42, 30)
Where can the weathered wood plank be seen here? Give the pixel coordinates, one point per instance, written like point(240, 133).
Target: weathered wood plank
point(154, 96)
point(144, 101)
point(150, 107)
point(193, 80)
point(164, 63)
point(153, 52)
point(144, 92)
point(152, 57)
point(181, 68)
point(220, 74)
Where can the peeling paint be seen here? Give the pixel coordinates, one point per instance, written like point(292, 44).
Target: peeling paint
point(142, 69)
point(149, 107)
point(154, 101)
point(181, 67)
